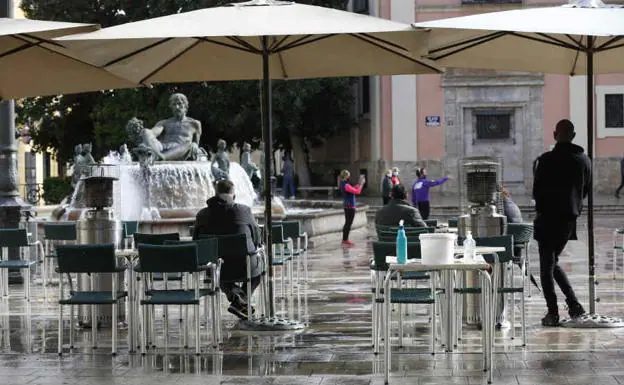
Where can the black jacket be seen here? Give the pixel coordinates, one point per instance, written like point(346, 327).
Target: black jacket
point(224, 217)
point(395, 210)
point(561, 182)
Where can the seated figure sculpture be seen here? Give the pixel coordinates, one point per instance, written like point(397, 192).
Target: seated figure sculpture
point(249, 166)
point(176, 138)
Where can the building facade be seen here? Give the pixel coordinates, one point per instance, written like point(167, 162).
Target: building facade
point(435, 120)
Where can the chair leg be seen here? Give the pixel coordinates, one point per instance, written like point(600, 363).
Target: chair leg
point(215, 322)
point(615, 252)
point(71, 327)
point(527, 266)
point(166, 328)
point(60, 330)
point(143, 320)
point(197, 340)
point(94, 328)
point(114, 327)
point(400, 311)
point(523, 315)
point(433, 328)
point(27, 284)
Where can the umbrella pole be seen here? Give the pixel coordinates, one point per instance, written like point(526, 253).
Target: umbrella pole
point(267, 137)
point(590, 153)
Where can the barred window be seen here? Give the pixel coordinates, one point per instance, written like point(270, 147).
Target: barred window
point(493, 125)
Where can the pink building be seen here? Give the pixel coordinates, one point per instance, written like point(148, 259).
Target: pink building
point(434, 120)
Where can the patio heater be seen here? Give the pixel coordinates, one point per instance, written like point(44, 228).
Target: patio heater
point(480, 182)
point(98, 224)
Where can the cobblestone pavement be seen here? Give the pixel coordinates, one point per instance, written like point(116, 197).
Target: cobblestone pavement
point(336, 347)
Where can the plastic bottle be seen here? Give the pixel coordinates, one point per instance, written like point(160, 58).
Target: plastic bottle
point(469, 246)
point(401, 244)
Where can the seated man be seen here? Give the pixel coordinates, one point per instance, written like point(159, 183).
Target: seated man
point(399, 208)
point(224, 217)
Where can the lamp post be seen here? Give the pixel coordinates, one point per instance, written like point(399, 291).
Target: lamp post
point(10, 202)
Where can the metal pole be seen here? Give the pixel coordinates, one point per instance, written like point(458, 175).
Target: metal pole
point(10, 201)
point(267, 136)
point(590, 153)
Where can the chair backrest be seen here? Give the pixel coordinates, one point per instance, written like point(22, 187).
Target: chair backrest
point(291, 229)
point(277, 234)
point(207, 249)
point(452, 222)
point(13, 238)
point(522, 232)
point(230, 246)
point(130, 228)
point(86, 258)
point(505, 241)
point(431, 222)
point(392, 238)
point(382, 249)
point(181, 258)
point(155, 239)
point(60, 231)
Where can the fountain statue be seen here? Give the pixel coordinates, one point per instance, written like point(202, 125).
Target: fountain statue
point(221, 162)
point(82, 158)
point(250, 167)
point(175, 138)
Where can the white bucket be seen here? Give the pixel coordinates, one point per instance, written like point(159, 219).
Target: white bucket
point(437, 248)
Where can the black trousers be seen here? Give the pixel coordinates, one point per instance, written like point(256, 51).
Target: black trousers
point(385, 200)
point(550, 272)
point(617, 192)
point(346, 229)
point(425, 209)
point(234, 292)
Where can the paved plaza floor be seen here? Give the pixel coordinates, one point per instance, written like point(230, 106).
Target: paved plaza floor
point(336, 347)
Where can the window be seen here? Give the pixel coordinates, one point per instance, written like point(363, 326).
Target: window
point(492, 124)
point(609, 111)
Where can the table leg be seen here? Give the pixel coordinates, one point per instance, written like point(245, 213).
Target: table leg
point(387, 326)
point(131, 320)
point(489, 315)
point(448, 278)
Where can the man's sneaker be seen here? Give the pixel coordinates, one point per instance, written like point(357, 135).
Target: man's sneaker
point(239, 310)
point(575, 310)
point(551, 319)
point(347, 243)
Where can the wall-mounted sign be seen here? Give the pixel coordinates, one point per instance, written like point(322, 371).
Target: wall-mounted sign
point(432, 121)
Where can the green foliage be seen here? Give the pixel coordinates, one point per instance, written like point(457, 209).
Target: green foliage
point(56, 188)
point(315, 109)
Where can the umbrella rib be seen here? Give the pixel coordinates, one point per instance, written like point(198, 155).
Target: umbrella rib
point(610, 47)
point(171, 60)
point(138, 51)
point(548, 40)
point(607, 44)
point(402, 55)
point(578, 42)
point(368, 35)
point(302, 41)
point(39, 39)
point(243, 43)
point(237, 47)
point(479, 39)
point(18, 49)
point(277, 43)
point(463, 46)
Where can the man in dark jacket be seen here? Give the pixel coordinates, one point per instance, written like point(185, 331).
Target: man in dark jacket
point(225, 217)
point(561, 182)
point(399, 208)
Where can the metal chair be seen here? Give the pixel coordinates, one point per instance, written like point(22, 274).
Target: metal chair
point(14, 238)
point(399, 295)
point(130, 228)
point(168, 259)
point(522, 234)
point(431, 222)
point(292, 230)
point(55, 234)
point(88, 259)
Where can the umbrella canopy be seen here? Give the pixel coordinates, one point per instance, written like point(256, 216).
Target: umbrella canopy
point(225, 43)
point(584, 37)
point(550, 40)
point(31, 64)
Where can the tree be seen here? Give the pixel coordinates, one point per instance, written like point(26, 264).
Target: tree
point(306, 112)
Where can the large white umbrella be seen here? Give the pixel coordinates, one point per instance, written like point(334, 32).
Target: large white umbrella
point(31, 64)
point(261, 39)
point(584, 37)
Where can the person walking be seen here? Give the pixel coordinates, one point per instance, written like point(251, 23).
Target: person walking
point(288, 177)
point(420, 191)
point(561, 180)
point(386, 187)
point(617, 192)
point(349, 193)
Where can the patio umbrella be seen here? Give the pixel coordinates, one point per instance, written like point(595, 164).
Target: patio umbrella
point(584, 37)
point(260, 39)
point(31, 64)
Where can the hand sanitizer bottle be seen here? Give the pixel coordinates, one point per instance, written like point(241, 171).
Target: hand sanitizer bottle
point(401, 244)
point(469, 246)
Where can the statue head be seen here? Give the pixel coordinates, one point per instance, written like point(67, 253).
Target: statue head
point(133, 130)
point(246, 147)
point(123, 149)
point(221, 145)
point(78, 149)
point(86, 148)
point(179, 105)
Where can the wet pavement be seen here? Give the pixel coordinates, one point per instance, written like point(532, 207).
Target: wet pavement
point(336, 347)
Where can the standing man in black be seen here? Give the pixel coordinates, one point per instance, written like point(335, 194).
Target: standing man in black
point(561, 182)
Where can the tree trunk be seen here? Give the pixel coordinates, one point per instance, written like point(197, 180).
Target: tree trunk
point(300, 157)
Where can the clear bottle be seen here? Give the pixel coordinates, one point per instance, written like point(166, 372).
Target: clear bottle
point(469, 246)
point(401, 244)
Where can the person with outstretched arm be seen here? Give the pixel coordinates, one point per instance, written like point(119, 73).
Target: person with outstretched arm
point(420, 191)
point(349, 192)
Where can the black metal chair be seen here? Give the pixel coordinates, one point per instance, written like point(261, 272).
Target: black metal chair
point(14, 238)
